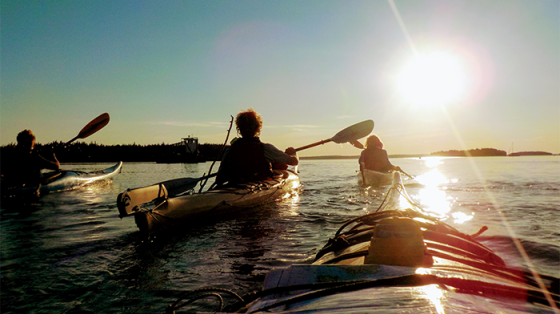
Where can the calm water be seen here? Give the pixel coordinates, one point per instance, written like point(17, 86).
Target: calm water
point(71, 253)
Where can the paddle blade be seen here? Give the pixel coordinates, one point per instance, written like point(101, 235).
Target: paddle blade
point(94, 126)
point(354, 132)
point(357, 144)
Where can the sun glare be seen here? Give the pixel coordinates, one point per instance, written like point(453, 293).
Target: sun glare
point(435, 79)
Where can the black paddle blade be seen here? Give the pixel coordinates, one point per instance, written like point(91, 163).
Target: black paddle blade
point(94, 126)
point(354, 132)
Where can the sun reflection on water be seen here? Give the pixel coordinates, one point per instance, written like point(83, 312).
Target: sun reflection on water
point(293, 200)
point(432, 197)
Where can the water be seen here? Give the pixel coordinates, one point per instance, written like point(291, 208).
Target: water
point(70, 252)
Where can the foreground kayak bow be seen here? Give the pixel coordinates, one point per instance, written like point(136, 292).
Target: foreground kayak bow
point(398, 255)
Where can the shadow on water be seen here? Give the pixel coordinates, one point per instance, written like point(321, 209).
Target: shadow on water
point(153, 272)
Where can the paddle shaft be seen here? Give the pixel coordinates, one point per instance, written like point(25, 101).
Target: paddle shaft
point(406, 174)
point(72, 140)
point(313, 145)
point(350, 134)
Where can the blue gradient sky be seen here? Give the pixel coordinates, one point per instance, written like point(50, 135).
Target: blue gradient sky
point(165, 70)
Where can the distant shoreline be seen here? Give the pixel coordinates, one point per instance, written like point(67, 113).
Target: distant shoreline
point(424, 155)
point(176, 153)
point(358, 156)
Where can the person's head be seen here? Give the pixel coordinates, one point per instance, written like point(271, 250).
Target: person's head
point(26, 139)
point(374, 141)
point(249, 123)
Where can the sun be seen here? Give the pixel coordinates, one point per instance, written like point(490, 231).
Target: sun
point(435, 79)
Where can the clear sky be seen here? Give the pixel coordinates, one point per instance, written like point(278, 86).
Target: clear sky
point(433, 75)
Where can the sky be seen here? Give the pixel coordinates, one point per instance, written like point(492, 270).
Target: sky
point(433, 75)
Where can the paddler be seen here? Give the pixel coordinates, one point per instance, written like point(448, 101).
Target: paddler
point(375, 158)
point(23, 168)
point(249, 159)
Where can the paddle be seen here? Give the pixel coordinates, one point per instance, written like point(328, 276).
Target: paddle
point(406, 174)
point(350, 134)
point(92, 127)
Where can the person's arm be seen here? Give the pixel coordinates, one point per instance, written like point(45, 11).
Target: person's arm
point(48, 164)
point(57, 163)
point(272, 153)
point(361, 161)
point(293, 159)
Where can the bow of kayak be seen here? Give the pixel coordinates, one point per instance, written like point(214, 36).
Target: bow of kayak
point(68, 180)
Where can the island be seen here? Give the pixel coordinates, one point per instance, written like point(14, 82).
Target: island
point(478, 152)
point(531, 153)
point(487, 152)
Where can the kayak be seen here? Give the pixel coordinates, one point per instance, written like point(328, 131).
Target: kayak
point(398, 259)
point(368, 177)
point(64, 180)
point(174, 203)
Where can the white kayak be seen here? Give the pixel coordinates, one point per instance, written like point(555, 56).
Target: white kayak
point(398, 259)
point(368, 177)
point(173, 206)
point(63, 181)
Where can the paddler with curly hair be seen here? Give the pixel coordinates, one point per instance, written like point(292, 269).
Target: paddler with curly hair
point(249, 159)
point(375, 158)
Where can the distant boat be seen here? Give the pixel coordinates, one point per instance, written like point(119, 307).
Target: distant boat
point(190, 155)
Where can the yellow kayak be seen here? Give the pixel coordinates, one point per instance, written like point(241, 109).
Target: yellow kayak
point(175, 209)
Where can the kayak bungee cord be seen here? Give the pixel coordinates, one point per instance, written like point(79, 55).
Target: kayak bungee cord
point(251, 190)
point(199, 294)
point(344, 225)
point(379, 207)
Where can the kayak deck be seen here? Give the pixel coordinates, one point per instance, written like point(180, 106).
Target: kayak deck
point(191, 207)
point(368, 177)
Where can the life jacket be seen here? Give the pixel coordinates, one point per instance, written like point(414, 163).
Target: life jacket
point(247, 161)
point(22, 168)
point(376, 159)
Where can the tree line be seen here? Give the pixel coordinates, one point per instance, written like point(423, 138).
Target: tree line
point(93, 152)
point(479, 152)
point(471, 152)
